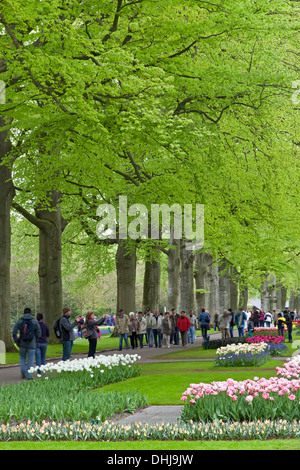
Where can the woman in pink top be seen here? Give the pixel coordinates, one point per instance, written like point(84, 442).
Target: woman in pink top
point(261, 318)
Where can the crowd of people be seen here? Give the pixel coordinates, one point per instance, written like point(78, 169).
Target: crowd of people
point(162, 330)
point(257, 318)
point(155, 329)
point(148, 329)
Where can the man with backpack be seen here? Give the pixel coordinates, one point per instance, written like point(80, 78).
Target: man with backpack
point(25, 333)
point(204, 320)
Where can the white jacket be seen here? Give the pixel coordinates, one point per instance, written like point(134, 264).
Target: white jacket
point(156, 322)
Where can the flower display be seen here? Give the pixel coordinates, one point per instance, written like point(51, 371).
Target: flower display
point(109, 431)
point(268, 330)
point(291, 369)
point(265, 339)
point(88, 364)
point(242, 400)
point(243, 354)
point(242, 348)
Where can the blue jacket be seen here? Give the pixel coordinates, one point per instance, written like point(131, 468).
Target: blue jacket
point(204, 319)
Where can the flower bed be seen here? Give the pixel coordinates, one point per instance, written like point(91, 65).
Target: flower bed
point(265, 339)
point(241, 355)
point(291, 369)
point(66, 391)
point(244, 348)
point(109, 431)
point(249, 400)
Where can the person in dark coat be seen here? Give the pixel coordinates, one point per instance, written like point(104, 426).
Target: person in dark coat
point(42, 342)
point(26, 346)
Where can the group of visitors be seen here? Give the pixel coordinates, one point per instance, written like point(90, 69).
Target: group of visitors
point(31, 336)
point(155, 329)
point(257, 318)
point(151, 329)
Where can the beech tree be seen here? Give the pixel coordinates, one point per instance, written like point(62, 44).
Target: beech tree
point(161, 101)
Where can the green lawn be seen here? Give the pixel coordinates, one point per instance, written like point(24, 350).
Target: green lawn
point(164, 383)
point(274, 444)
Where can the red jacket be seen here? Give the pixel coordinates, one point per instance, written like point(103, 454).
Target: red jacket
point(183, 323)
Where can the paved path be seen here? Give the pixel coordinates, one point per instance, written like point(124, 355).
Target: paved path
point(10, 373)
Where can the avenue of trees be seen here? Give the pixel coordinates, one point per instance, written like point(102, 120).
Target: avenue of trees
point(173, 102)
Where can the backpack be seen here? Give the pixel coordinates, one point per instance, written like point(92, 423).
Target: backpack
point(57, 329)
point(27, 331)
point(85, 332)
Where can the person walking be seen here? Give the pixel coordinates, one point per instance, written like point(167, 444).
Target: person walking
point(231, 322)
point(250, 326)
point(241, 319)
point(141, 328)
point(92, 331)
point(268, 319)
point(224, 319)
point(149, 331)
point(256, 316)
point(67, 333)
point(216, 321)
point(289, 324)
point(204, 320)
point(166, 329)
point(133, 328)
point(26, 332)
point(183, 325)
point(122, 327)
point(280, 324)
point(261, 318)
point(174, 337)
point(42, 342)
point(193, 327)
point(156, 321)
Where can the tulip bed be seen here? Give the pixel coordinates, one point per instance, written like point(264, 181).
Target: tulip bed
point(64, 392)
point(258, 399)
point(266, 339)
point(217, 430)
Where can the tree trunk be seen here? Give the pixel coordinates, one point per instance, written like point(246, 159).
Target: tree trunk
point(173, 275)
point(214, 298)
point(234, 289)
point(6, 198)
point(202, 280)
point(187, 279)
point(224, 287)
point(126, 277)
point(50, 225)
point(281, 296)
point(151, 289)
point(50, 259)
point(265, 296)
point(243, 299)
point(294, 301)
